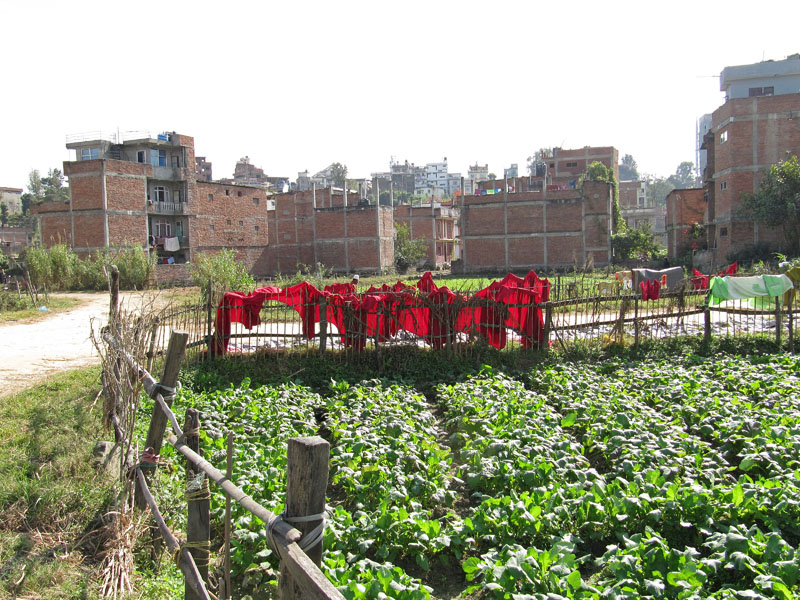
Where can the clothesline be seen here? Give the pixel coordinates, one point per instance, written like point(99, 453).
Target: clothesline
point(435, 314)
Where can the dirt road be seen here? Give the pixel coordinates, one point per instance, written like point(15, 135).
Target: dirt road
point(29, 352)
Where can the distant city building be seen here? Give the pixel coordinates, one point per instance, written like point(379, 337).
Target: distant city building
point(638, 209)
point(203, 169)
point(703, 127)
point(475, 174)
point(511, 172)
point(12, 198)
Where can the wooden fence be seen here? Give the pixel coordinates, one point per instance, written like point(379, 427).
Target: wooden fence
point(576, 313)
point(307, 476)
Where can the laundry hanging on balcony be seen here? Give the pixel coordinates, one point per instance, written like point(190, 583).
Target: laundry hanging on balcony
point(171, 244)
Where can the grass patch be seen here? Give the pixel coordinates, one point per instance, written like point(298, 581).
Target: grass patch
point(32, 313)
point(50, 494)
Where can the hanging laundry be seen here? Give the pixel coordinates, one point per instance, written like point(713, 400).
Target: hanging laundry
point(743, 288)
point(171, 244)
point(668, 278)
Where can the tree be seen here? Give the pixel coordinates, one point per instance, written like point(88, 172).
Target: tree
point(635, 241)
point(3, 214)
point(407, 252)
point(541, 155)
point(53, 187)
point(338, 173)
point(658, 188)
point(627, 169)
point(492, 176)
point(35, 186)
point(27, 200)
point(684, 176)
point(777, 201)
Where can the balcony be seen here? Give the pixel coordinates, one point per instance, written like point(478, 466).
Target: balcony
point(167, 208)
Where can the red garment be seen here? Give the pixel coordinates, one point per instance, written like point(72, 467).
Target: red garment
point(651, 290)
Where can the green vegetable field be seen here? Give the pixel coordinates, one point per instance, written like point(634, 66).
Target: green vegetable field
point(671, 479)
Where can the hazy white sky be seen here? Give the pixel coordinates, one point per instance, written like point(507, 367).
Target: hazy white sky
point(298, 84)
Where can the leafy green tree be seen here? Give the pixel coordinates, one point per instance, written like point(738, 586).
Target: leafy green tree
point(407, 252)
point(684, 176)
point(777, 201)
point(635, 241)
point(627, 169)
point(338, 174)
point(658, 188)
point(3, 214)
point(53, 187)
point(27, 199)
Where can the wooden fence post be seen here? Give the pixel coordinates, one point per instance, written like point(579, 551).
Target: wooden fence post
point(707, 325)
point(548, 324)
point(229, 475)
point(323, 325)
point(306, 484)
point(791, 325)
point(778, 324)
point(635, 323)
point(209, 312)
point(198, 525)
point(172, 366)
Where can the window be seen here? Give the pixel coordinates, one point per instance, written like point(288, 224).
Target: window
point(572, 164)
point(179, 228)
point(241, 223)
point(176, 195)
point(211, 228)
point(158, 158)
point(228, 222)
point(723, 185)
point(761, 91)
point(162, 228)
point(90, 153)
point(723, 232)
point(255, 201)
point(160, 193)
point(210, 197)
point(140, 156)
point(723, 137)
point(227, 192)
point(175, 161)
point(239, 194)
point(256, 228)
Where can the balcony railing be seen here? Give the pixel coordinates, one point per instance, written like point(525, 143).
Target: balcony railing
point(167, 208)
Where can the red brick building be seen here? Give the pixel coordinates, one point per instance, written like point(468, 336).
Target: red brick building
point(437, 225)
point(686, 214)
point(550, 229)
point(756, 127)
point(144, 190)
point(638, 208)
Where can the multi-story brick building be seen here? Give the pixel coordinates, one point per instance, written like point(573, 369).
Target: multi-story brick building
point(143, 190)
point(756, 127)
point(565, 166)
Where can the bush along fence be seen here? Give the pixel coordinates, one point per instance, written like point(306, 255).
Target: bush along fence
point(295, 536)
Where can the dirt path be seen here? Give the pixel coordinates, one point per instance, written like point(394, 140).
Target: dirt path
point(30, 352)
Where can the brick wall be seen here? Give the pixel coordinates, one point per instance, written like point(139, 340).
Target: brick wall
point(339, 239)
point(684, 207)
point(531, 231)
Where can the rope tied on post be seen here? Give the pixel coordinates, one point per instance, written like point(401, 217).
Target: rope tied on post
point(197, 489)
point(167, 393)
point(203, 546)
point(309, 540)
point(148, 459)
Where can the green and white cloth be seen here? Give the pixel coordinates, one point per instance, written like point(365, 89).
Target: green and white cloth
point(742, 288)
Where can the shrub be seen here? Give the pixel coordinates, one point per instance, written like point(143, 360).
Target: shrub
point(221, 268)
point(407, 252)
point(135, 265)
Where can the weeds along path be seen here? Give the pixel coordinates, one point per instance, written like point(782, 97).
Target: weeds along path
point(30, 352)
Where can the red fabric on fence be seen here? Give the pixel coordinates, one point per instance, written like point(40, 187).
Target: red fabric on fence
point(701, 281)
point(424, 310)
point(651, 289)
